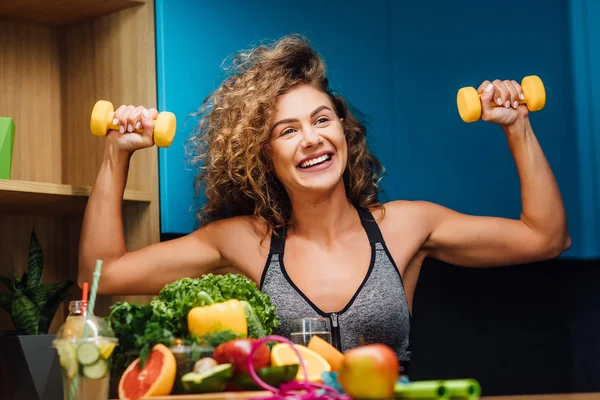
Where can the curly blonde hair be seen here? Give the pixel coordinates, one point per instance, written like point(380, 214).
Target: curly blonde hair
point(231, 142)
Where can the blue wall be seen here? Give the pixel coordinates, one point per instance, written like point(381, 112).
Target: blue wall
point(194, 37)
point(585, 45)
point(401, 63)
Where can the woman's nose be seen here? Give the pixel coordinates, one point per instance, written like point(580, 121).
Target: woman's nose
point(311, 137)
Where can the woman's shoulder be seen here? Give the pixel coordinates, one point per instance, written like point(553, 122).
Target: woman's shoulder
point(244, 225)
point(400, 209)
point(402, 216)
point(243, 241)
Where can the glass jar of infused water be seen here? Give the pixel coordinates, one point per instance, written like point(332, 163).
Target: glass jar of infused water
point(303, 329)
point(84, 346)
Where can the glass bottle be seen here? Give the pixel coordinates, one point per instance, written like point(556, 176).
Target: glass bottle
point(85, 362)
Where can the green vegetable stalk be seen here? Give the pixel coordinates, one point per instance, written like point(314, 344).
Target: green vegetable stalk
point(255, 328)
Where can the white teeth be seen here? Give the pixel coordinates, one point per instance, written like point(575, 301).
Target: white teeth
point(314, 161)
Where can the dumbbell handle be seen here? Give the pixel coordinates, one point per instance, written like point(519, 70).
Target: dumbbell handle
point(117, 127)
point(468, 100)
point(494, 104)
point(102, 119)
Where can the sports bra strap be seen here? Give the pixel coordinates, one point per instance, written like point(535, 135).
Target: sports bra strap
point(370, 225)
point(278, 240)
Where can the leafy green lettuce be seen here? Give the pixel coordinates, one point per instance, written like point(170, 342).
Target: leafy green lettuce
point(140, 327)
point(176, 299)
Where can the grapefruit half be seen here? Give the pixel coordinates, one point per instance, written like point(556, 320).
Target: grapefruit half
point(155, 379)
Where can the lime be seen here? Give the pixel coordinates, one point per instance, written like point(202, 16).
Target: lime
point(212, 380)
point(273, 375)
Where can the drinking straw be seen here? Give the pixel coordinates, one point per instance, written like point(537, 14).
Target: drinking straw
point(84, 297)
point(88, 318)
point(92, 301)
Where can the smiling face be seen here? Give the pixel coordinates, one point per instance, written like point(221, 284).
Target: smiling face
point(308, 143)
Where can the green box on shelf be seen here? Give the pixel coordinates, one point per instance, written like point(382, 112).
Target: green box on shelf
point(7, 142)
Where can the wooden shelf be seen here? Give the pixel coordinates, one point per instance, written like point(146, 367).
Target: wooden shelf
point(61, 12)
point(58, 56)
point(50, 198)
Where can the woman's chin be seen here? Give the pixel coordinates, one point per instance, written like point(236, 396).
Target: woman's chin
point(321, 184)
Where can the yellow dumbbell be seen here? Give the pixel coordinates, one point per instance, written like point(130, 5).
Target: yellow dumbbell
point(102, 116)
point(469, 103)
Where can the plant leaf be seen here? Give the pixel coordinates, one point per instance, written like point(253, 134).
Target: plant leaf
point(36, 263)
point(47, 315)
point(51, 295)
point(25, 315)
point(44, 293)
point(40, 295)
point(17, 284)
point(6, 301)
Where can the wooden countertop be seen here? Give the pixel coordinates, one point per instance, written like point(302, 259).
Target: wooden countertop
point(250, 395)
point(569, 396)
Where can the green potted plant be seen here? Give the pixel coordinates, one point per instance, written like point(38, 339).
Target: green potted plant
point(33, 371)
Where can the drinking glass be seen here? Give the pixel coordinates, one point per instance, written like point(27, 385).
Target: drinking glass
point(85, 362)
point(303, 329)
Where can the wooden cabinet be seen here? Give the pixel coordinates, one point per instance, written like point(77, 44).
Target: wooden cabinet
point(56, 60)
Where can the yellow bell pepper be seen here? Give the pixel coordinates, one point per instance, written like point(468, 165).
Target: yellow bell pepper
point(216, 317)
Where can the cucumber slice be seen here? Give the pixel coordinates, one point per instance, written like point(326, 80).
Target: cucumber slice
point(97, 370)
point(87, 353)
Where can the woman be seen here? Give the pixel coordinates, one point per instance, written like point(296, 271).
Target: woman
point(292, 203)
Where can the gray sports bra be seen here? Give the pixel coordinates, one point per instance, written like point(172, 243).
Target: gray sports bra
point(377, 313)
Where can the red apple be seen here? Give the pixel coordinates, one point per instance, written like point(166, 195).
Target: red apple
point(237, 351)
point(369, 372)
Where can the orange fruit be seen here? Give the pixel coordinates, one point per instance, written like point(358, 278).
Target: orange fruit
point(333, 356)
point(283, 354)
point(155, 379)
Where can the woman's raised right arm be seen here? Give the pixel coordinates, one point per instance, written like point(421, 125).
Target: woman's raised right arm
point(147, 270)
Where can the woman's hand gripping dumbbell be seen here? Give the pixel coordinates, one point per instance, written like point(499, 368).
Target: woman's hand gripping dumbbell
point(133, 127)
point(492, 99)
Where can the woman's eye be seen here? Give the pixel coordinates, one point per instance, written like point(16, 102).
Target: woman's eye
point(322, 120)
point(287, 131)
